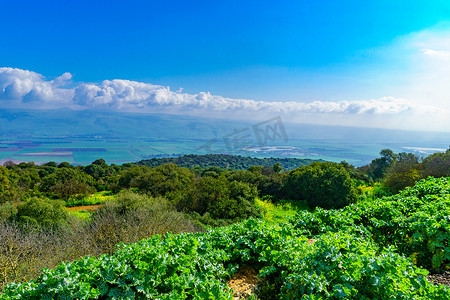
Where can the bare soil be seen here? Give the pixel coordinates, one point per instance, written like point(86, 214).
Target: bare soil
point(442, 277)
point(86, 207)
point(244, 282)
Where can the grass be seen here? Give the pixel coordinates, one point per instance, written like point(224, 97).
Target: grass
point(371, 192)
point(282, 211)
point(81, 214)
point(94, 199)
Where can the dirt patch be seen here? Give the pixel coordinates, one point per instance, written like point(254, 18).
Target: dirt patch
point(244, 283)
point(86, 207)
point(439, 277)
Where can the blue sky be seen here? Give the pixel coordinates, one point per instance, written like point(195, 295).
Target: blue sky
point(372, 54)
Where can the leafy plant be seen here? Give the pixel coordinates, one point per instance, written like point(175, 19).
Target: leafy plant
point(195, 266)
point(42, 212)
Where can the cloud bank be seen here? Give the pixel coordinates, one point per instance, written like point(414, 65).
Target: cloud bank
point(22, 88)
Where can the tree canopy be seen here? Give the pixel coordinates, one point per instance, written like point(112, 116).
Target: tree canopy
point(326, 185)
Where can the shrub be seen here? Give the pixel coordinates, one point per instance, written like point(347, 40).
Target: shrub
point(42, 212)
point(132, 217)
point(221, 199)
point(166, 180)
point(437, 165)
point(67, 182)
point(7, 211)
point(239, 203)
point(7, 188)
point(403, 172)
point(202, 193)
point(325, 185)
point(266, 180)
point(26, 249)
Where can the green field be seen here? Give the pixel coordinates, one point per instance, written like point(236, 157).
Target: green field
point(127, 137)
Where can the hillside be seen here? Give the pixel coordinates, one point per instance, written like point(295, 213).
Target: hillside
point(223, 161)
point(368, 250)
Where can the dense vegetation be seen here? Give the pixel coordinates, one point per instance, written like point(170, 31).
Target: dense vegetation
point(358, 252)
point(399, 170)
point(25, 249)
point(325, 185)
point(235, 162)
point(139, 202)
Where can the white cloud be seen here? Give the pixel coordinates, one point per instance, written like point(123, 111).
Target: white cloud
point(126, 95)
point(24, 86)
point(437, 53)
point(29, 89)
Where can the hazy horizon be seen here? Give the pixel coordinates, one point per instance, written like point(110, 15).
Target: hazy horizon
point(45, 135)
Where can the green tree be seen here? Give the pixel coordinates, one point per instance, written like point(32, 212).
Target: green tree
point(67, 182)
point(96, 171)
point(239, 204)
point(166, 180)
point(321, 184)
point(203, 192)
point(378, 167)
point(128, 178)
point(51, 164)
point(25, 180)
point(221, 198)
point(7, 189)
point(437, 165)
point(277, 167)
point(212, 171)
point(65, 164)
point(405, 171)
point(267, 183)
point(42, 212)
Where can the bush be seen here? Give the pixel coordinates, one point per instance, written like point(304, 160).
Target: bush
point(221, 199)
point(167, 180)
point(42, 212)
point(17, 248)
point(325, 185)
point(7, 211)
point(202, 193)
point(26, 249)
point(437, 165)
point(266, 180)
point(132, 217)
point(67, 182)
point(403, 172)
point(239, 203)
point(7, 188)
